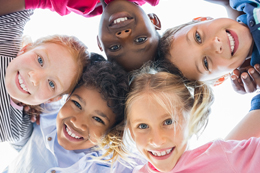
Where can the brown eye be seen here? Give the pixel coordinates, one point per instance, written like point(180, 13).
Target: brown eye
point(115, 47)
point(140, 39)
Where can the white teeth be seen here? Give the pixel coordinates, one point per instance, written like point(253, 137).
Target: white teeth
point(21, 83)
point(162, 153)
point(72, 134)
point(232, 42)
point(122, 19)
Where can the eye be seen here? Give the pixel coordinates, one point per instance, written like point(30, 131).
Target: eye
point(51, 84)
point(77, 104)
point(98, 119)
point(140, 39)
point(198, 37)
point(142, 126)
point(115, 47)
point(168, 122)
point(40, 60)
point(205, 63)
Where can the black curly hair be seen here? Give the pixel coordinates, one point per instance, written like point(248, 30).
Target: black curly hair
point(110, 80)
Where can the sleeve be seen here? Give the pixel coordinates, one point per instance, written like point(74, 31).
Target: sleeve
point(243, 156)
point(255, 103)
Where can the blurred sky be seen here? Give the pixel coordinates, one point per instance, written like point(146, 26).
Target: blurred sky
point(229, 107)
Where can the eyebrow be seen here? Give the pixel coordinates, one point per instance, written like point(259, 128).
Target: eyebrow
point(80, 99)
point(102, 114)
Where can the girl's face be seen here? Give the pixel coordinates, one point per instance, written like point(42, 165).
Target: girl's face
point(84, 118)
point(158, 136)
point(37, 75)
point(210, 49)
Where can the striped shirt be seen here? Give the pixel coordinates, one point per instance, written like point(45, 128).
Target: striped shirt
point(14, 125)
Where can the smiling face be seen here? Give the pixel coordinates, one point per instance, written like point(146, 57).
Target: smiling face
point(127, 35)
point(83, 119)
point(40, 74)
point(207, 50)
point(158, 136)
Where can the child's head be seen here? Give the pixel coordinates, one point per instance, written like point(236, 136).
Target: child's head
point(128, 35)
point(94, 107)
point(207, 50)
point(45, 69)
point(162, 114)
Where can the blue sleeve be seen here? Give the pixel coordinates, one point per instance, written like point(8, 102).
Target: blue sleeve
point(255, 103)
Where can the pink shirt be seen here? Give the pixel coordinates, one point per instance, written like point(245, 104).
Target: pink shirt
point(86, 8)
point(217, 157)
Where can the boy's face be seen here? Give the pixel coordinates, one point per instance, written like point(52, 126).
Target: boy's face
point(83, 119)
point(158, 136)
point(127, 35)
point(210, 49)
point(39, 74)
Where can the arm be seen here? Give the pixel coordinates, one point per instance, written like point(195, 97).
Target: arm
point(10, 6)
point(249, 126)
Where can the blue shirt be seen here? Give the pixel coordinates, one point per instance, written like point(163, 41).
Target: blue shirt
point(42, 153)
point(251, 18)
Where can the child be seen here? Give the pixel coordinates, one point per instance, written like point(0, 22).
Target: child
point(66, 139)
point(215, 47)
point(171, 114)
point(39, 72)
point(127, 35)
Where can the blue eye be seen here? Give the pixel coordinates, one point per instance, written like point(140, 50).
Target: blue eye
point(142, 126)
point(51, 84)
point(77, 104)
point(98, 120)
point(40, 60)
point(205, 62)
point(198, 38)
point(168, 122)
point(115, 47)
point(140, 39)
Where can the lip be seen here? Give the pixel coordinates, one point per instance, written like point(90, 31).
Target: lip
point(121, 24)
point(162, 157)
point(234, 35)
point(18, 84)
point(70, 138)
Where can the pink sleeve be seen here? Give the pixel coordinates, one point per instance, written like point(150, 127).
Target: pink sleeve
point(244, 155)
point(64, 7)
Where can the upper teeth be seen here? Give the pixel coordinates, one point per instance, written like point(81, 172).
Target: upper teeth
point(161, 153)
point(21, 83)
point(72, 134)
point(232, 42)
point(120, 19)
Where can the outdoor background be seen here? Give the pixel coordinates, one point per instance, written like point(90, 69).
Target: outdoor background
point(229, 107)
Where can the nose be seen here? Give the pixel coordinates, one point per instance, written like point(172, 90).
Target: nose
point(217, 45)
point(157, 138)
point(78, 123)
point(124, 33)
point(35, 77)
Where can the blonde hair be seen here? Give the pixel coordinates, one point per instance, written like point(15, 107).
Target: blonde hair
point(74, 46)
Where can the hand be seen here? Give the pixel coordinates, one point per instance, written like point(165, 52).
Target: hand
point(246, 80)
point(33, 112)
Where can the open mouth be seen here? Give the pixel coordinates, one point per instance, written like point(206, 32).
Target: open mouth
point(233, 41)
point(120, 20)
point(71, 134)
point(162, 154)
point(21, 84)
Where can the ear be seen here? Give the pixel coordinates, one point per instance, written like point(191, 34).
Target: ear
point(99, 44)
point(54, 99)
point(23, 50)
point(221, 80)
point(155, 20)
point(202, 19)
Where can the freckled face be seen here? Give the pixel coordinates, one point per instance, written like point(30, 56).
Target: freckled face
point(210, 49)
point(40, 74)
point(83, 119)
point(127, 35)
point(158, 136)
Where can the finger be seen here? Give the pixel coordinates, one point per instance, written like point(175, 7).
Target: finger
point(255, 76)
point(33, 118)
point(26, 108)
point(236, 72)
point(237, 86)
point(38, 120)
point(249, 84)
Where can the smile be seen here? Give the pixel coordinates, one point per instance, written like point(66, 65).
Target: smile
point(161, 153)
point(233, 41)
point(22, 85)
point(120, 19)
point(71, 134)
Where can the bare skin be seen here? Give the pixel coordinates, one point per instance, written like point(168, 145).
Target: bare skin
point(10, 6)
